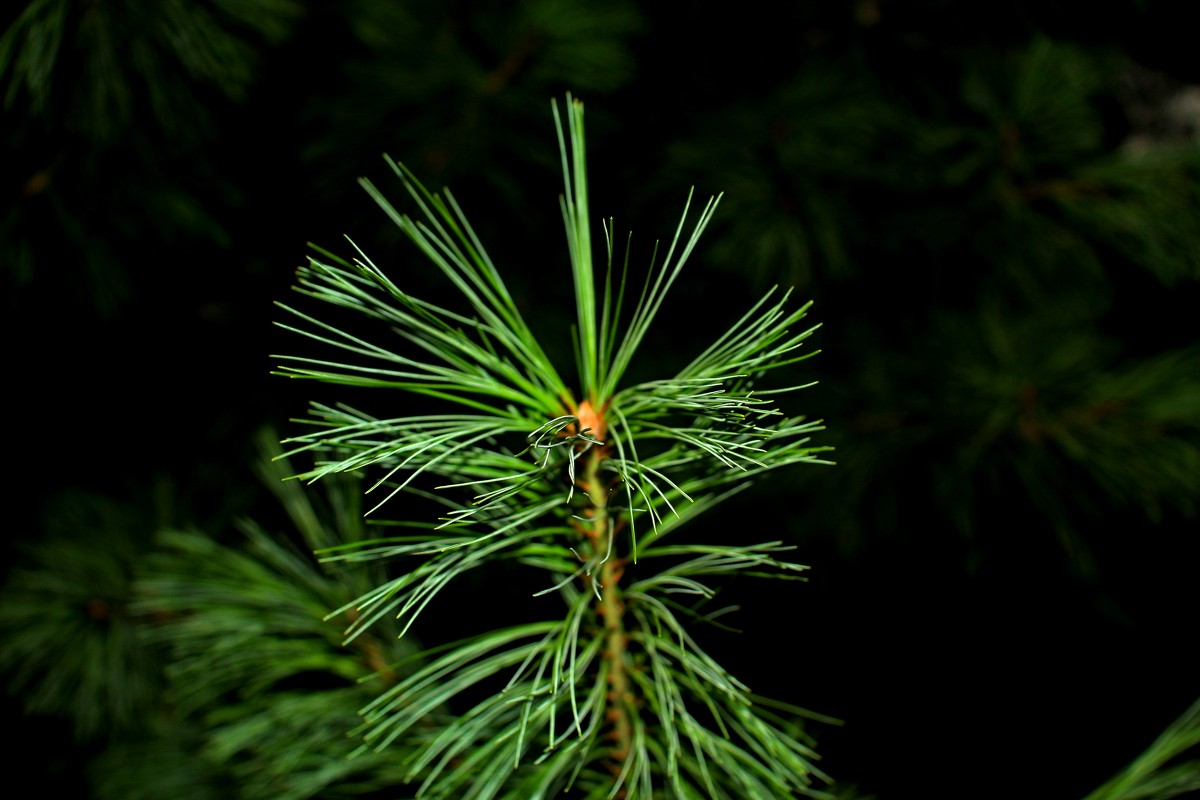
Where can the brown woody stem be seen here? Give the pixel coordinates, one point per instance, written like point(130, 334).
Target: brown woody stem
point(612, 608)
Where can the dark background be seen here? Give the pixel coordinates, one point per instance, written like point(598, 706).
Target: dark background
point(1002, 601)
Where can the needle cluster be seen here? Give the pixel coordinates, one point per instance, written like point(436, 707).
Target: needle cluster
point(586, 481)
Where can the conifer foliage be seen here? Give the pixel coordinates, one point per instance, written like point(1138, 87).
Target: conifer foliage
point(588, 485)
point(524, 570)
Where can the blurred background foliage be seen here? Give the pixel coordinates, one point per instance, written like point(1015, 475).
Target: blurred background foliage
point(996, 207)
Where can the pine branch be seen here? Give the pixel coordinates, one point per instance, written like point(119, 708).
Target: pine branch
point(612, 697)
point(262, 677)
point(1160, 771)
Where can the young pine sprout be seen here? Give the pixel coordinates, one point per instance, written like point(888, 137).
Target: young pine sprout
point(585, 482)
